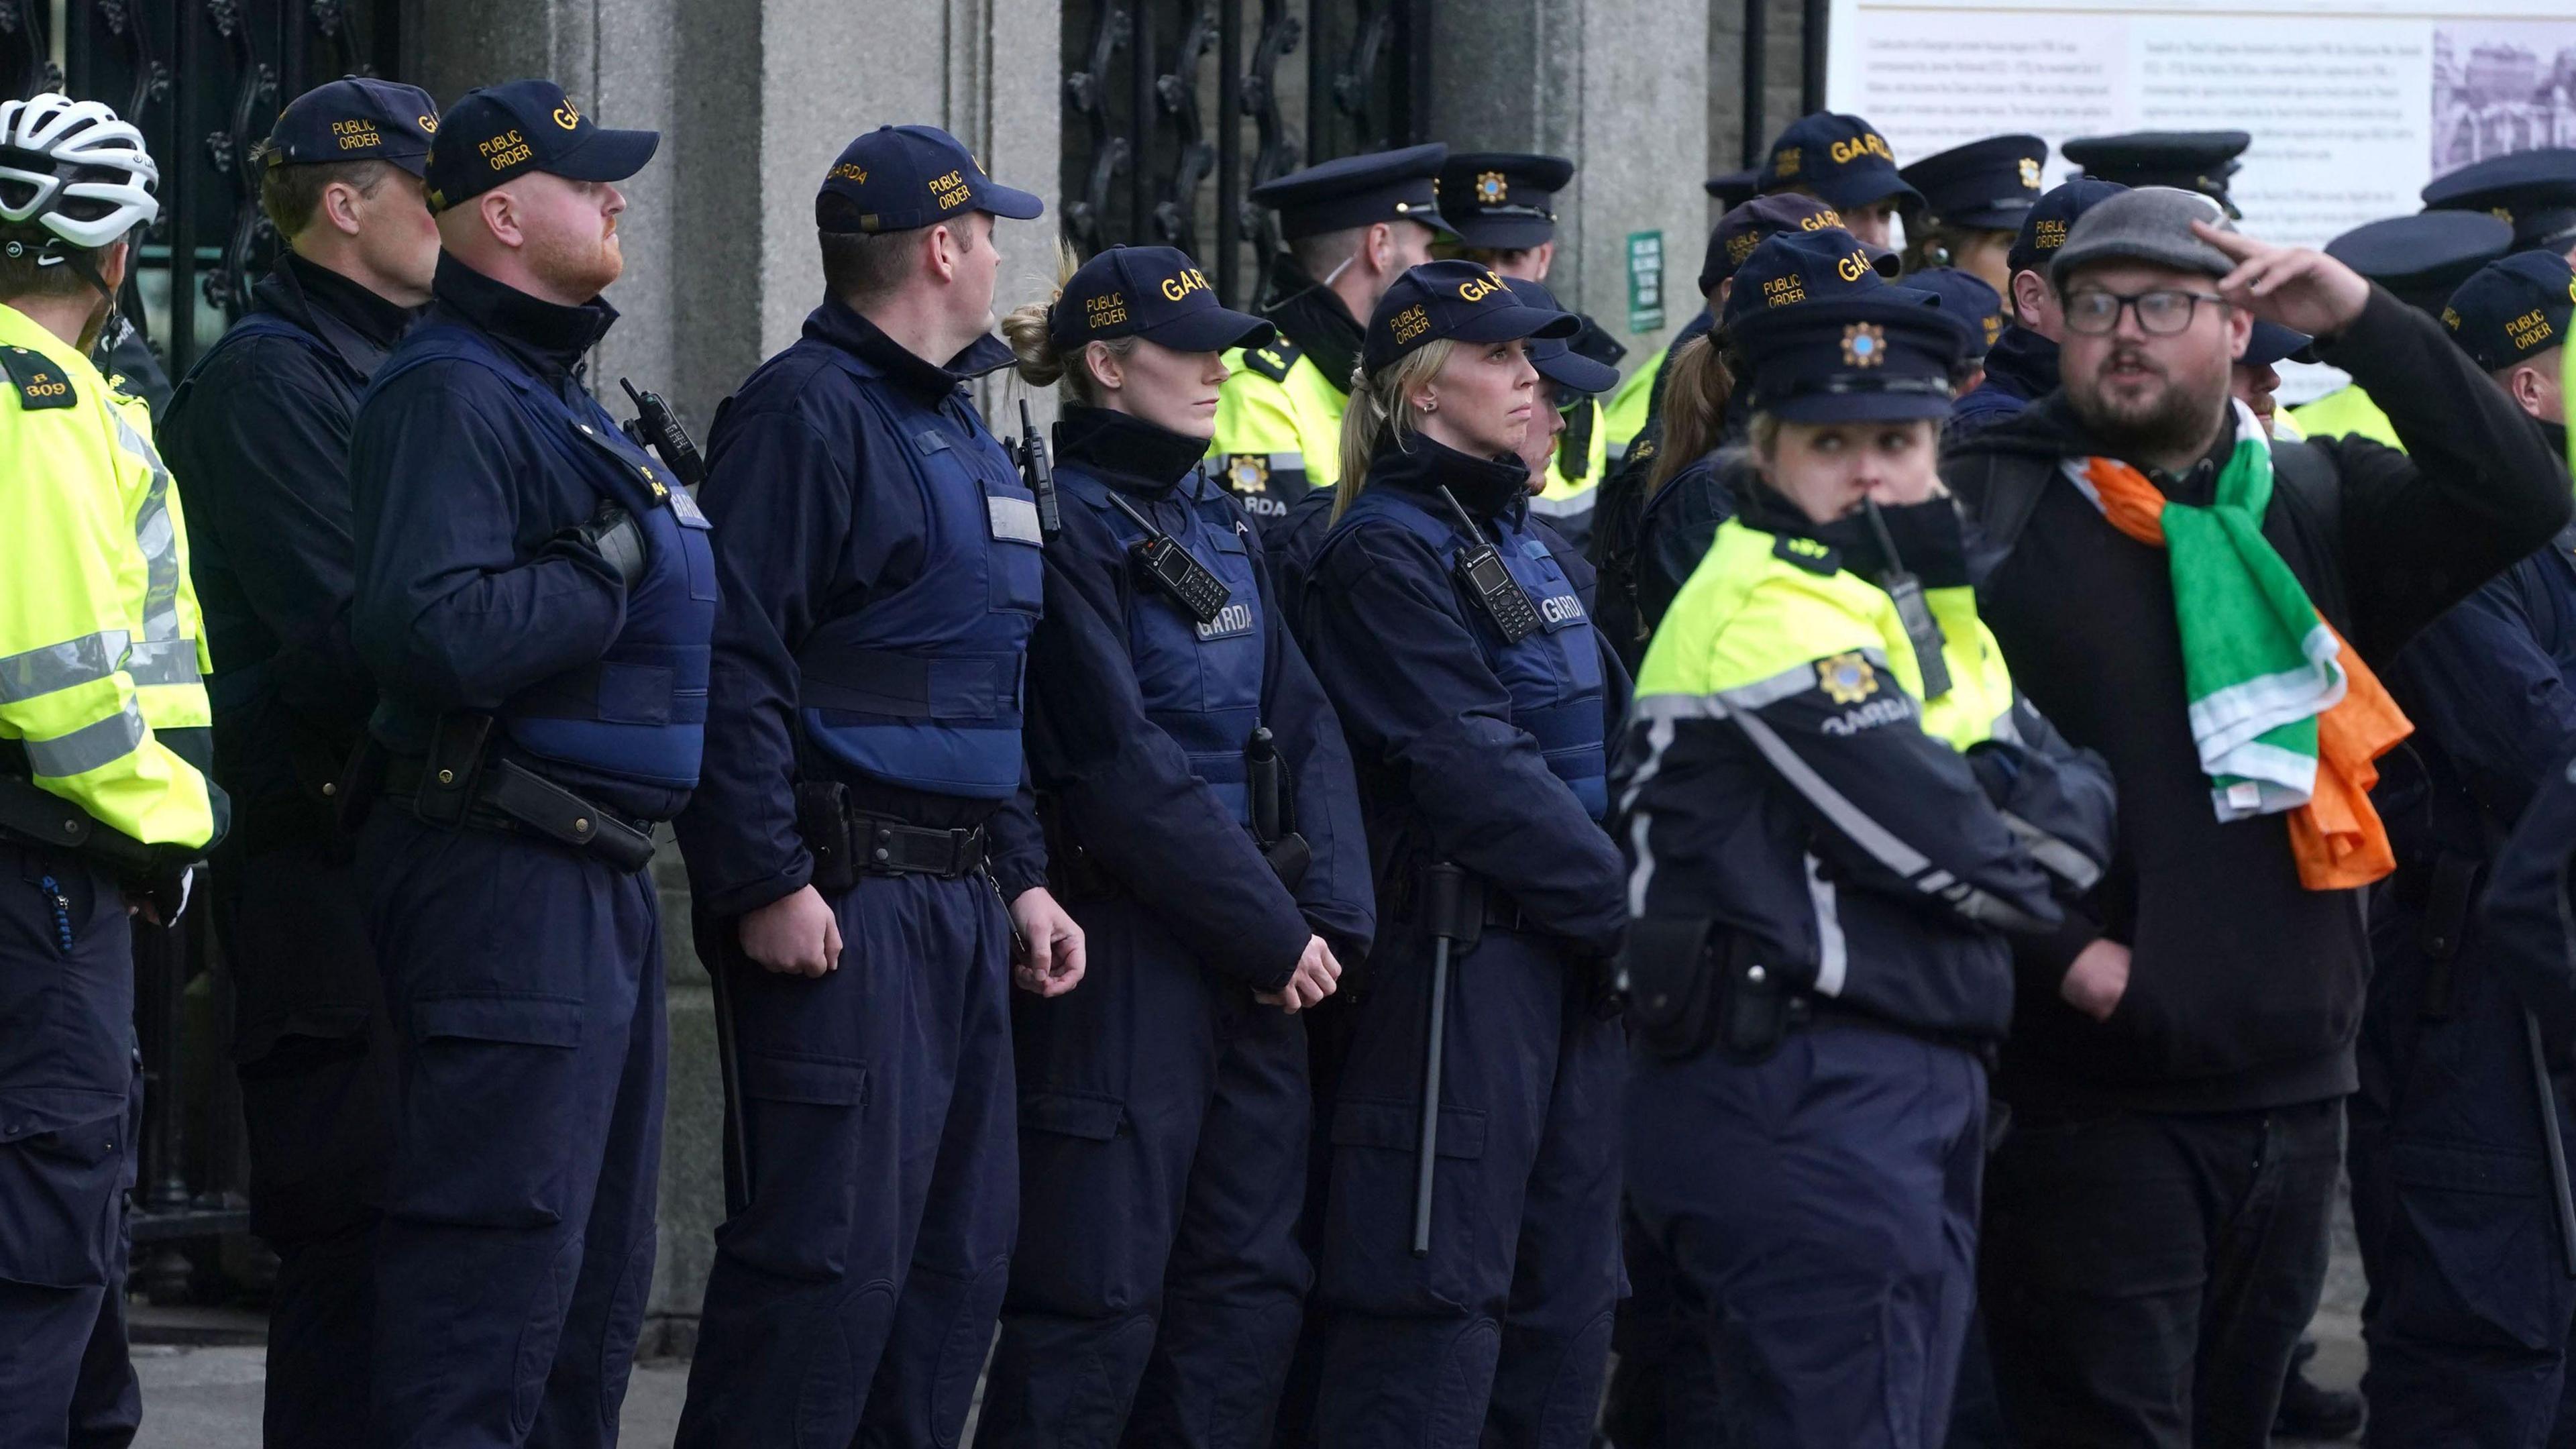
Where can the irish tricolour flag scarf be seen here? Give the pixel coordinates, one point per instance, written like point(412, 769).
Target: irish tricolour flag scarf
point(2286, 715)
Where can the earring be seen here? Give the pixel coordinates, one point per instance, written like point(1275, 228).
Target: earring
point(1937, 254)
point(1429, 404)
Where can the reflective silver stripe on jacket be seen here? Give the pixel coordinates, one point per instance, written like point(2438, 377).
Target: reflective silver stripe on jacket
point(90, 746)
point(62, 666)
point(155, 538)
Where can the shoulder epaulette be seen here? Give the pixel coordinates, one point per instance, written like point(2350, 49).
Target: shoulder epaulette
point(1274, 360)
point(1808, 554)
point(41, 384)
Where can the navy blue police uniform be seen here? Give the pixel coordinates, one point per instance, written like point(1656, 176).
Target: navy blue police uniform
point(1826, 887)
point(1158, 1282)
point(1483, 751)
point(2021, 366)
point(880, 558)
point(257, 436)
point(1985, 185)
point(2471, 1310)
point(2533, 190)
point(533, 599)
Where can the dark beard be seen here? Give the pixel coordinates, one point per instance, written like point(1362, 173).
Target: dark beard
point(2179, 422)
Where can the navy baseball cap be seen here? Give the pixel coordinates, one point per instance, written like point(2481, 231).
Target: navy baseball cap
point(1459, 300)
point(1156, 293)
point(2534, 190)
point(2051, 217)
point(356, 118)
point(1555, 357)
point(1351, 191)
point(1741, 230)
point(2425, 257)
point(1502, 201)
point(2185, 160)
point(501, 132)
point(1840, 158)
point(1864, 358)
point(2273, 343)
point(2513, 309)
point(1792, 267)
point(1734, 187)
point(903, 178)
point(1986, 185)
point(1974, 305)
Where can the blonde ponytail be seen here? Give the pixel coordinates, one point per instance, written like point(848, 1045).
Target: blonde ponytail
point(1026, 329)
point(1378, 411)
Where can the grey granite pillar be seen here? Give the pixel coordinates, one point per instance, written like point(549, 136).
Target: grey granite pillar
point(1620, 86)
point(754, 98)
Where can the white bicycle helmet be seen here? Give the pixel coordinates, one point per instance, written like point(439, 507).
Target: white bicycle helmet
point(74, 167)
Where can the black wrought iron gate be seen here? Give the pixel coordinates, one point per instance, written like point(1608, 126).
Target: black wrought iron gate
point(1175, 109)
point(203, 80)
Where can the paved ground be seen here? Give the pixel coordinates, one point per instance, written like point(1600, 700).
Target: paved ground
point(207, 1396)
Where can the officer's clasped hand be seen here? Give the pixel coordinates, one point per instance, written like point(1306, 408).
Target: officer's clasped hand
point(1047, 947)
point(1317, 976)
point(795, 935)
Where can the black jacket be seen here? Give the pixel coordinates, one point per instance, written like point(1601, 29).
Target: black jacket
point(2246, 988)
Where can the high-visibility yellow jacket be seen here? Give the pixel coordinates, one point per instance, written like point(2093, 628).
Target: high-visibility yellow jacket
point(102, 652)
point(2346, 411)
point(1278, 423)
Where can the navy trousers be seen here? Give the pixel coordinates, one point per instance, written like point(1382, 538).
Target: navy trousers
point(70, 1100)
point(1819, 1210)
point(2471, 1307)
point(1157, 1286)
point(314, 1052)
point(852, 1300)
point(516, 1247)
point(1501, 1336)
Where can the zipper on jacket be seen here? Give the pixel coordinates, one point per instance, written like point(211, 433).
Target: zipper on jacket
point(62, 905)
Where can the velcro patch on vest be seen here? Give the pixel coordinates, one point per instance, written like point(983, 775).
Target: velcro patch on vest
point(1231, 622)
point(685, 508)
point(1808, 554)
point(1014, 520)
point(40, 383)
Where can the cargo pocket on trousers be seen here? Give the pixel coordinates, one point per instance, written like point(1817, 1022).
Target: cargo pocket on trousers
point(1078, 1253)
point(491, 1111)
point(803, 1115)
point(1368, 1243)
point(2477, 1262)
point(60, 1189)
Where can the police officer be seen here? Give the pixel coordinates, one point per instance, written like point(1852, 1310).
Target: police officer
point(1476, 694)
point(1822, 788)
point(2533, 190)
point(2199, 161)
point(1502, 205)
point(2471, 1310)
point(1352, 226)
point(2256, 375)
point(1690, 491)
point(1975, 198)
point(1206, 834)
point(258, 434)
point(1976, 307)
point(2021, 367)
point(865, 818)
point(2422, 259)
point(104, 790)
point(1843, 162)
point(1570, 385)
point(533, 598)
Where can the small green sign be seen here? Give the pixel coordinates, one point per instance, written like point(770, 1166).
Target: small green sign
point(1645, 281)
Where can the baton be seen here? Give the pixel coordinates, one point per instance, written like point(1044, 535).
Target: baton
point(737, 1160)
point(1443, 894)
point(2550, 1140)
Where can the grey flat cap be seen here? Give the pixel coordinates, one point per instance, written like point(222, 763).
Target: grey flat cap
point(2150, 224)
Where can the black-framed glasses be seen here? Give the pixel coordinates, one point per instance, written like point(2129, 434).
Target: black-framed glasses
point(2161, 313)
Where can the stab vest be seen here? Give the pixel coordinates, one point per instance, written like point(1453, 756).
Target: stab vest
point(924, 686)
point(1201, 683)
point(639, 712)
point(1554, 673)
